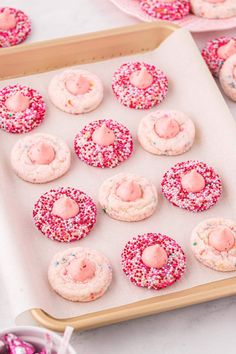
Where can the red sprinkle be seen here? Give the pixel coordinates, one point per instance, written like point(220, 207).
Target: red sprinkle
point(18, 34)
point(134, 97)
point(210, 54)
point(104, 156)
point(68, 230)
point(150, 277)
point(173, 10)
point(200, 201)
point(21, 122)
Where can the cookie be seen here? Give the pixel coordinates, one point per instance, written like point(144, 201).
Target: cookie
point(216, 51)
point(139, 85)
point(128, 197)
point(166, 132)
point(40, 158)
point(153, 261)
point(213, 243)
point(213, 8)
point(76, 91)
point(80, 274)
point(104, 143)
point(169, 10)
point(65, 214)
point(228, 77)
point(192, 185)
point(21, 109)
point(15, 27)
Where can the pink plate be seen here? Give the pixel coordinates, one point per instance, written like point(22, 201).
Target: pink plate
point(191, 22)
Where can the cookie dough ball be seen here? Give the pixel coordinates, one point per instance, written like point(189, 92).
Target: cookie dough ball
point(80, 274)
point(214, 8)
point(213, 243)
point(166, 132)
point(76, 91)
point(228, 77)
point(128, 197)
point(40, 158)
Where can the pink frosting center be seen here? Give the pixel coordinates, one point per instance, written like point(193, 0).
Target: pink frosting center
point(154, 256)
point(81, 270)
point(129, 191)
point(78, 86)
point(225, 51)
point(65, 208)
point(41, 153)
point(222, 239)
point(141, 78)
point(17, 102)
point(7, 20)
point(167, 127)
point(103, 136)
point(193, 181)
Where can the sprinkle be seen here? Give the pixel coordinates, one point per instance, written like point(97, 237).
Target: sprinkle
point(173, 10)
point(138, 98)
point(104, 156)
point(150, 277)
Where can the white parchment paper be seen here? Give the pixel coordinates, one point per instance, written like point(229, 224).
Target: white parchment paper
point(25, 254)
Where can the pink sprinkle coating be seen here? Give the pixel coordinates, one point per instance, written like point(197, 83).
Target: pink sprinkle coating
point(104, 156)
point(68, 230)
point(18, 34)
point(200, 201)
point(170, 11)
point(138, 98)
point(25, 121)
point(150, 277)
point(210, 54)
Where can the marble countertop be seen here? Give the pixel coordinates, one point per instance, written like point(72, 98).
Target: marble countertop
point(207, 328)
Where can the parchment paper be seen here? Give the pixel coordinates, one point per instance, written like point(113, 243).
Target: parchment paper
point(25, 253)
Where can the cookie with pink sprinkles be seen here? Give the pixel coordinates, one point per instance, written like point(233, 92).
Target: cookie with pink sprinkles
point(21, 109)
point(15, 27)
point(139, 85)
point(65, 214)
point(169, 10)
point(192, 185)
point(104, 143)
point(153, 261)
point(217, 51)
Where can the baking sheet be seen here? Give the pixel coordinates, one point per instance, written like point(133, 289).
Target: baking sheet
point(25, 253)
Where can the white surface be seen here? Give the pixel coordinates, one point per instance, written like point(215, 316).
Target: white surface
point(204, 328)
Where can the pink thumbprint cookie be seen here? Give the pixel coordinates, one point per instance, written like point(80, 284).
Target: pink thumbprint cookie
point(169, 10)
point(76, 91)
point(228, 77)
point(192, 185)
point(139, 85)
point(21, 109)
point(14, 27)
point(103, 143)
point(216, 52)
point(65, 214)
point(80, 274)
point(153, 261)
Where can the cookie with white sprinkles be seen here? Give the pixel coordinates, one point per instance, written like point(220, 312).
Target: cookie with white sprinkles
point(80, 274)
point(76, 91)
point(166, 132)
point(139, 85)
point(21, 109)
point(40, 158)
point(228, 77)
point(169, 10)
point(192, 185)
point(128, 197)
point(217, 51)
point(153, 260)
point(65, 214)
point(104, 143)
point(15, 26)
point(213, 243)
